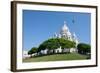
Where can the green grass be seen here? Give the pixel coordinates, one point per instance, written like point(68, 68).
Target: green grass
point(56, 57)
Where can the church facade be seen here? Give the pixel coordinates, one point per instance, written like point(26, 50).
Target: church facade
point(66, 34)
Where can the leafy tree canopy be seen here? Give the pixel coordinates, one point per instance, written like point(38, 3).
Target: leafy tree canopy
point(66, 43)
point(33, 50)
point(55, 43)
point(84, 48)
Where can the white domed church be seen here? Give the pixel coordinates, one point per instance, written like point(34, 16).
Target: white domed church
point(65, 33)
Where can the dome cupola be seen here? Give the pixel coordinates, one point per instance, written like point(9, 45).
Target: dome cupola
point(64, 28)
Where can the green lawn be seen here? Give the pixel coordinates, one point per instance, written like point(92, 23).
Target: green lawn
point(56, 57)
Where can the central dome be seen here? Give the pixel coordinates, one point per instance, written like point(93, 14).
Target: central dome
point(64, 28)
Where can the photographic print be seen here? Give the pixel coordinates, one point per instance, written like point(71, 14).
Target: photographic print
point(53, 36)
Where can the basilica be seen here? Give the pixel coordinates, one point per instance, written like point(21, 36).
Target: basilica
point(65, 33)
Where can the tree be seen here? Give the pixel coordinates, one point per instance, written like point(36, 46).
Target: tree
point(50, 44)
point(84, 48)
point(66, 44)
point(54, 43)
point(32, 50)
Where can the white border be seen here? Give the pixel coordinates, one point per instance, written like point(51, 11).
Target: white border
point(34, 65)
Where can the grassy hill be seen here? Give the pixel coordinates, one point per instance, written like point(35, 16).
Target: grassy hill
point(56, 57)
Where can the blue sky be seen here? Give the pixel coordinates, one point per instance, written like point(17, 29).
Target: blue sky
point(38, 26)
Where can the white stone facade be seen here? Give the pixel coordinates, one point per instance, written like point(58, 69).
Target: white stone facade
point(44, 51)
point(58, 50)
point(65, 33)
